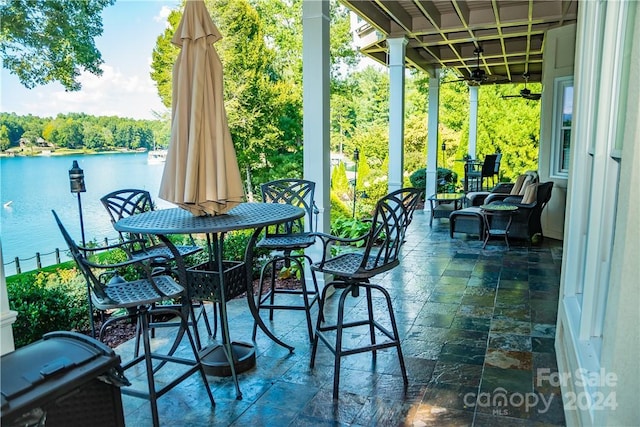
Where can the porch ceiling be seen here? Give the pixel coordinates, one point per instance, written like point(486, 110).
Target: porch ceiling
point(445, 33)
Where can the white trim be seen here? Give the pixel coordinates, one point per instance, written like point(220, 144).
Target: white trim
point(432, 136)
point(397, 47)
point(560, 84)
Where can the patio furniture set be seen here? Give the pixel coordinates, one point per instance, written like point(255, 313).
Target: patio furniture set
point(509, 210)
point(286, 215)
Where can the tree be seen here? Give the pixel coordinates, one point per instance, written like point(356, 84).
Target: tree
point(43, 41)
point(4, 138)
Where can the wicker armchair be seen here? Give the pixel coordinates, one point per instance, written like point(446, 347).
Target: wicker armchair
point(526, 221)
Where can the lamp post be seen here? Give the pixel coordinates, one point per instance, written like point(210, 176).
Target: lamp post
point(356, 158)
point(76, 182)
point(444, 148)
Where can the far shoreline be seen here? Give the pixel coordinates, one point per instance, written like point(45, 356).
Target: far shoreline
point(66, 152)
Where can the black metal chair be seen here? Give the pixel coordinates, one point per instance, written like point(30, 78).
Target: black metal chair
point(124, 203)
point(287, 242)
point(496, 169)
point(486, 171)
point(109, 290)
point(352, 271)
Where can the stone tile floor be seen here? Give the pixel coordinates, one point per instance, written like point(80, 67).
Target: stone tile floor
point(477, 331)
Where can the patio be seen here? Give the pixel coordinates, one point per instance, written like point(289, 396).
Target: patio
point(478, 331)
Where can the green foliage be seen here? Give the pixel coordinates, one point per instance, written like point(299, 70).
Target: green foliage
point(4, 138)
point(78, 130)
point(350, 228)
point(47, 302)
point(338, 208)
point(44, 41)
point(339, 181)
point(447, 179)
point(419, 178)
point(235, 245)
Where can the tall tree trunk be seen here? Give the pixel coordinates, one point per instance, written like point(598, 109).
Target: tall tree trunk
point(248, 184)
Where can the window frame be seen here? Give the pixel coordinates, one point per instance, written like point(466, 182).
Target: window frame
point(560, 85)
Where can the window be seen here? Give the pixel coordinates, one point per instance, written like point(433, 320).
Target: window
point(563, 119)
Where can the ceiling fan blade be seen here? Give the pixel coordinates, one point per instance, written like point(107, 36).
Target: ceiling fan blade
point(533, 96)
point(454, 81)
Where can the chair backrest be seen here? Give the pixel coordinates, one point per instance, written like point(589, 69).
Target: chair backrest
point(390, 220)
point(296, 192)
point(80, 259)
point(543, 196)
point(489, 165)
point(496, 168)
point(124, 203)
point(409, 197)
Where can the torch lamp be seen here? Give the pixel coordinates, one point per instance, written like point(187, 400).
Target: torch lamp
point(356, 158)
point(76, 182)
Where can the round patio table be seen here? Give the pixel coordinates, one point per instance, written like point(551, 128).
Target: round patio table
point(217, 280)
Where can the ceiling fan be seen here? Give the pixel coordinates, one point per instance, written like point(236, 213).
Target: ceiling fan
point(478, 76)
point(525, 93)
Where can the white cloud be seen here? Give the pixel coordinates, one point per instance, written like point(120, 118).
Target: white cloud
point(163, 15)
point(113, 93)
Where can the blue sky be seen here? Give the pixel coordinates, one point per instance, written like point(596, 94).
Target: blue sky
point(130, 29)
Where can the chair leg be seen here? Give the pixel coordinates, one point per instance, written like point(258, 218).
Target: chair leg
point(372, 329)
point(153, 392)
point(144, 319)
point(259, 298)
point(308, 297)
point(272, 287)
point(307, 304)
point(314, 346)
point(338, 348)
point(394, 328)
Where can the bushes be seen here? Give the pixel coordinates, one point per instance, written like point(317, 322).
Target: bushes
point(47, 302)
point(447, 179)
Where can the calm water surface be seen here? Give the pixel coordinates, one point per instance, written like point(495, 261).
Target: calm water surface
point(36, 185)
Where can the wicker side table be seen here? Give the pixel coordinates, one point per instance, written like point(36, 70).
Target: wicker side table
point(492, 214)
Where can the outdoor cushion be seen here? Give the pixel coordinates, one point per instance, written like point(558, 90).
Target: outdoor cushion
point(518, 185)
point(530, 194)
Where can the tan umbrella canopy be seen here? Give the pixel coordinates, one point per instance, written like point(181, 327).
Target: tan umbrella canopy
point(201, 172)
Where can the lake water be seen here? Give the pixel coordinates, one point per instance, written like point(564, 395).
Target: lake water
point(33, 186)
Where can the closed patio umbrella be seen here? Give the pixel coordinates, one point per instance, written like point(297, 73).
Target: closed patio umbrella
point(201, 172)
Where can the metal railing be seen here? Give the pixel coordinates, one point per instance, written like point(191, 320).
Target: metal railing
point(36, 262)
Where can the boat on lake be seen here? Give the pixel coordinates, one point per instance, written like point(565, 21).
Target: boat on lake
point(155, 157)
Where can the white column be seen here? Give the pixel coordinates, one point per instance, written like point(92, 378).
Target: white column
point(473, 120)
point(432, 135)
point(7, 317)
point(315, 104)
point(396, 112)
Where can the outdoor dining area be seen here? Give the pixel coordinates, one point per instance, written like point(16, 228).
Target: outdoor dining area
point(476, 328)
point(402, 325)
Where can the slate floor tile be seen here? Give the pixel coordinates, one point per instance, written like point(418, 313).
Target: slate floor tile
point(476, 326)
